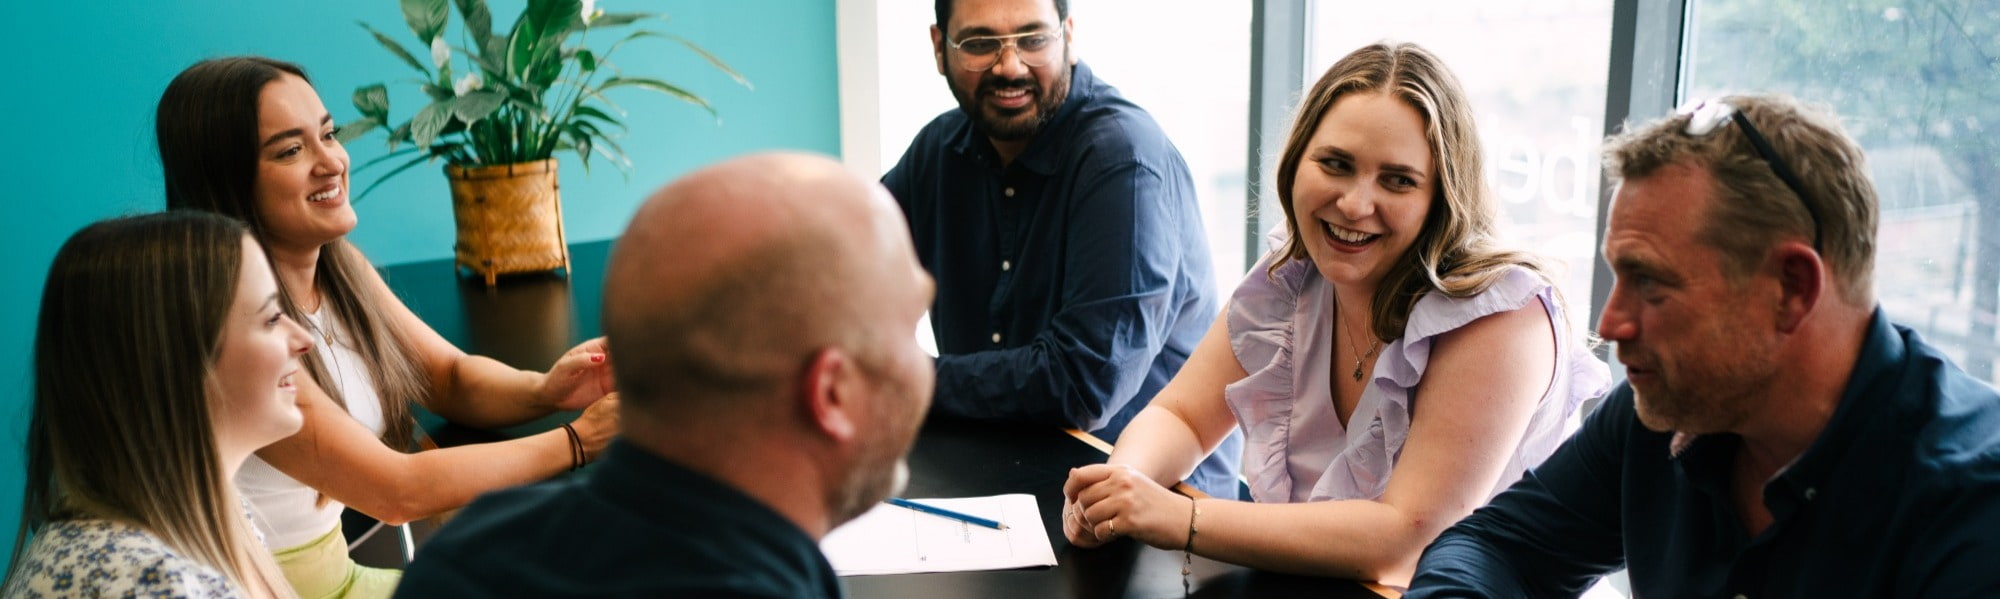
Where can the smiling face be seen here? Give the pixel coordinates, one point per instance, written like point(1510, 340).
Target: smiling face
point(1697, 351)
point(1010, 101)
point(301, 186)
point(255, 396)
point(1363, 187)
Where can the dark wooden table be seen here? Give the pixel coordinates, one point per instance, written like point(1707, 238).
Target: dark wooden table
point(527, 321)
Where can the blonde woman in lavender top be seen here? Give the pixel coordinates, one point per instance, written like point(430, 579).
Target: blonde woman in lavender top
point(1390, 366)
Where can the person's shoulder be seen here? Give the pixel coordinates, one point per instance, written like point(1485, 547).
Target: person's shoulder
point(1511, 287)
point(1107, 126)
point(1960, 434)
point(499, 514)
point(106, 558)
point(946, 128)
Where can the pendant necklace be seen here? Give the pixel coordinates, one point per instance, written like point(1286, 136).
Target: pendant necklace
point(1358, 356)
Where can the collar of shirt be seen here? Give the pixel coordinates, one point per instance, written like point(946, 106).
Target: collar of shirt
point(1046, 151)
point(635, 478)
point(1870, 396)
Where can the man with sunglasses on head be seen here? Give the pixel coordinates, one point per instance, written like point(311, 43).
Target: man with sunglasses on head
point(1072, 270)
point(1776, 435)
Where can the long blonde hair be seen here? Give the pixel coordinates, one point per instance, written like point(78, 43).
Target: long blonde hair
point(206, 127)
point(1456, 253)
point(131, 325)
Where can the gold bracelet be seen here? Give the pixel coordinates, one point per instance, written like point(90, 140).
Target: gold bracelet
point(1187, 550)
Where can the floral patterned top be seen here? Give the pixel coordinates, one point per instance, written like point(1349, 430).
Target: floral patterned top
point(103, 558)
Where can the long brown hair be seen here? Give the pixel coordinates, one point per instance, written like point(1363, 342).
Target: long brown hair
point(1456, 252)
point(131, 325)
point(207, 132)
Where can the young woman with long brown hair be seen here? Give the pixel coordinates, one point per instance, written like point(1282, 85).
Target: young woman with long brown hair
point(162, 361)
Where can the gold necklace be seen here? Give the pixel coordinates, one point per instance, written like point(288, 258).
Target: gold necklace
point(1358, 356)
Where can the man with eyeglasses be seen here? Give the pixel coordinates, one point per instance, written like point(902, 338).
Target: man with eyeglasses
point(1776, 435)
point(1072, 270)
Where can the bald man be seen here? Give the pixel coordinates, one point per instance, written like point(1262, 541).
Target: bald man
point(761, 310)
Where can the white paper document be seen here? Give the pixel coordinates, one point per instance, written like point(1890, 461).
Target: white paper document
point(898, 540)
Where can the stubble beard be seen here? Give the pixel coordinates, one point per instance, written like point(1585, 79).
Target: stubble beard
point(1714, 397)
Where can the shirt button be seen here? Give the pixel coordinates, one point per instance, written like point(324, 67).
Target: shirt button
point(996, 337)
point(1009, 192)
point(1006, 266)
point(1810, 492)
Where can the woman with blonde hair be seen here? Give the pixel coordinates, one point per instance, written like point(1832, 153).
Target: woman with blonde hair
point(161, 362)
point(248, 137)
point(1390, 365)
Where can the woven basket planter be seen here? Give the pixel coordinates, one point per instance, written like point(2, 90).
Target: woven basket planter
point(509, 218)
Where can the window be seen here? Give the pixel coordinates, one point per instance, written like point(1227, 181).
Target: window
point(1915, 83)
point(1535, 73)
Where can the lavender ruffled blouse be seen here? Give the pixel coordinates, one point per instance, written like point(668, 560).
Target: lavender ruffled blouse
point(1297, 450)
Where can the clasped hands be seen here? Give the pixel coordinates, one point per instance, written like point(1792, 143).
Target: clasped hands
point(580, 377)
point(1102, 502)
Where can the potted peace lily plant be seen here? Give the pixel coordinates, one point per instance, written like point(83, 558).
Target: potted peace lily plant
point(516, 98)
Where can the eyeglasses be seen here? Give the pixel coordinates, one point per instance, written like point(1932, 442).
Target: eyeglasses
point(1709, 115)
point(1033, 48)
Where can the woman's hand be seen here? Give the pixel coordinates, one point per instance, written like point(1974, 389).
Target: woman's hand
point(597, 426)
point(1117, 501)
point(579, 377)
point(1079, 532)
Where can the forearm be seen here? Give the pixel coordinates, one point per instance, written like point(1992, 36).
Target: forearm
point(1160, 445)
point(427, 483)
point(1354, 539)
point(1461, 564)
point(481, 392)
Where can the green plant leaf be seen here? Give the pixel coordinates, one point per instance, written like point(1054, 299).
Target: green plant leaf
point(713, 60)
point(581, 145)
point(401, 134)
point(615, 153)
point(354, 130)
point(538, 34)
point(426, 18)
point(478, 23)
point(373, 101)
point(438, 93)
point(544, 73)
point(473, 106)
point(384, 158)
point(429, 122)
point(618, 19)
point(397, 49)
point(493, 71)
point(391, 174)
point(593, 113)
point(658, 86)
point(586, 60)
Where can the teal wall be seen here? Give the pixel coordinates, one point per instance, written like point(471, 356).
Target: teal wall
point(83, 78)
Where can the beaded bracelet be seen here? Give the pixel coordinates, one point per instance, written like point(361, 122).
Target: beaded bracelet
point(1187, 550)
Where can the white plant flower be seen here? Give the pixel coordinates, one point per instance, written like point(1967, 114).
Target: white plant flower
point(590, 11)
point(470, 82)
point(440, 52)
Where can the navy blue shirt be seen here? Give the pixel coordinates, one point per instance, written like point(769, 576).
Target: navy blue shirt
point(1071, 283)
point(634, 525)
point(1899, 496)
